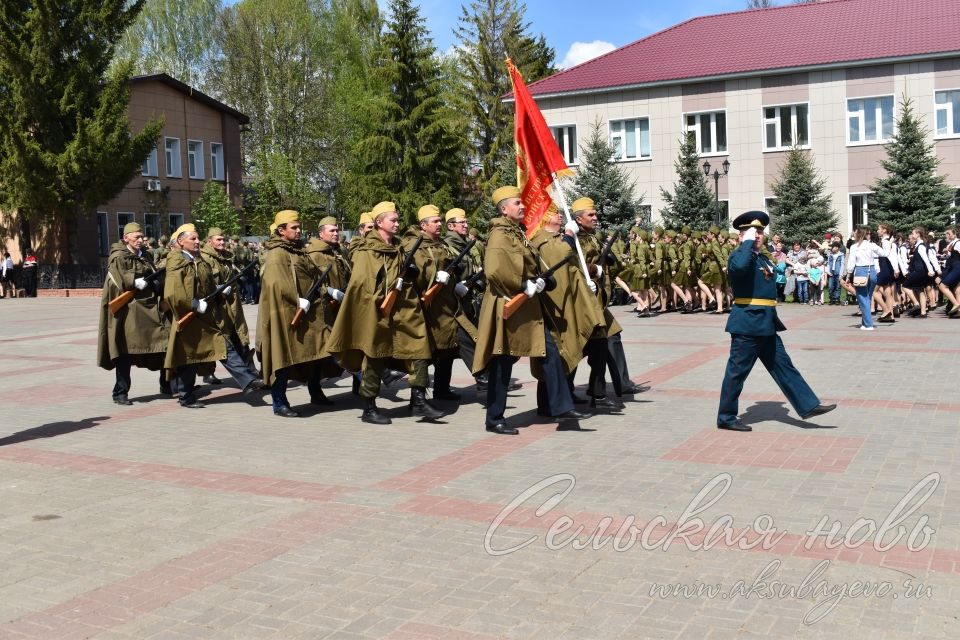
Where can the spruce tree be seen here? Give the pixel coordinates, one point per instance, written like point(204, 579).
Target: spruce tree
point(605, 182)
point(801, 210)
point(913, 193)
point(692, 202)
point(417, 156)
point(214, 209)
point(64, 130)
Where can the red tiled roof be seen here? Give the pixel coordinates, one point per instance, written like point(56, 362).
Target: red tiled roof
point(791, 36)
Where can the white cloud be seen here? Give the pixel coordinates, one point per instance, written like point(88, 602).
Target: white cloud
point(582, 51)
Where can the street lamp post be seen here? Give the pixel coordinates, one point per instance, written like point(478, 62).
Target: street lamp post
point(716, 183)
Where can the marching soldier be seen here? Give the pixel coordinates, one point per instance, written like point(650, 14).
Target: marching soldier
point(289, 350)
point(364, 226)
point(367, 334)
point(137, 335)
point(161, 250)
point(585, 216)
point(234, 327)
point(753, 327)
point(511, 266)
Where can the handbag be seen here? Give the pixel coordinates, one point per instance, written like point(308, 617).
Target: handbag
point(861, 276)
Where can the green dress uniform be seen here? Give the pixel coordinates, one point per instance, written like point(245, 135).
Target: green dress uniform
point(138, 334)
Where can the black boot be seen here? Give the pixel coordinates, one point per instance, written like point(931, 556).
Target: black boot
point(372, 414)
point(420, 408)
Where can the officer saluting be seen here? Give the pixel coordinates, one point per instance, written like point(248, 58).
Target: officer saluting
point(753, 327)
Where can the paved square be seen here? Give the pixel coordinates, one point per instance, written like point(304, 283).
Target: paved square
point(153, 521)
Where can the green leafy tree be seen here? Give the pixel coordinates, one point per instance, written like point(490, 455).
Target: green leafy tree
point(605, 182)
point(801, 210)
point(489, 32)
point(214, 209)
point(692, 202)
point(175, 37)
point(912, 193)
point(417, 155)
point(64, 130)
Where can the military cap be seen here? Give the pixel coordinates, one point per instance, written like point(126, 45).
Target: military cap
point(325, 221)
point(164, 240)
point(671, 233)
point(582, 204)
point(714, 229)
point(658, 231)
point(235, 238)
point(427, 211)
point(697, 235)
point(131, 227)
point(366, 218)
point(723, 234)
point(184, 228)
point(644, 235)
point(213, 232)
point(636, 230)
point(685, 230)
point(454, 214)
point(286, 217)
point(758, 219)
point(273, 228)
point(503, 193)
point(381, 208)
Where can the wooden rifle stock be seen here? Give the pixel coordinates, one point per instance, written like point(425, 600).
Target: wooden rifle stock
point(185, 320)
point(297, 317)
point(513, 304)
point(386, 307)
point(431, 294)
point(121, 301)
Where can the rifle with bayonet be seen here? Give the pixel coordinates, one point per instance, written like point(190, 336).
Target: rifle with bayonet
point(436, 286)
point(188, 318)
point(518, 299)
point(312, 294)
point(386, 307)
point(125, 297)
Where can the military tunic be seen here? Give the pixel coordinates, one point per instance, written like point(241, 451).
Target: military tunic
point(222, 265)
point(201, 341)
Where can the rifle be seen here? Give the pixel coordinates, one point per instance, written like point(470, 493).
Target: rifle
point(125, 297)
point(517, 300)
point(436, 286)
point(604, 253)
point(473, 280)
point(311, 294)
point(386, 307)
point(188, 318)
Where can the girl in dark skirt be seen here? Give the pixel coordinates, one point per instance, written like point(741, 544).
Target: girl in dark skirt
point(889, 270)
point(920, 274)
point(949, 283)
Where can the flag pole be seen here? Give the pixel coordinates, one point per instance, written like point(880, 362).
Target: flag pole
point(566, 213)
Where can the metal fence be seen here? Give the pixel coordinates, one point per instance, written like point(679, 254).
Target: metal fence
point(71, 276)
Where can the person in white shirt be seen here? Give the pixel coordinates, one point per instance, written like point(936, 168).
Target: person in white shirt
point(861, 262)
point(947, 281)
point(919, 274)
point(903, 262)
point(6, 276)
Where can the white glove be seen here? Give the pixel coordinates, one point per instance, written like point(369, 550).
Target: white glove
point(750, 234)
point(530, 288)
point(541, 284)
point(592, 285)
point(200, 306)
point(461, 289)
point(443, 277)
point(599, 270)
point(227, 291)
point(140, 284)
point(304, 304)
point(572, 227)
point(399, 284)
point(336, 294)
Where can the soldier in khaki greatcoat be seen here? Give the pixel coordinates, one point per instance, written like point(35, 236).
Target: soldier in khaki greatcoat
point(137, 335)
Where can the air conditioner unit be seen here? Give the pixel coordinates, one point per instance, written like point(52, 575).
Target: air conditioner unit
point(151, 185)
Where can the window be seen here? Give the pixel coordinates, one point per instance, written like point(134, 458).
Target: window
point(870, 120)
point(858, 210)
point(150, 164)
point(948, 113)
point(644, 215)
point(195, 159)
point(216, 161)
point(103, 236)
point(123, 219)
point(151, 225)
point(630, 139)
point(954, 206)
point(566, 137)
point(172, 146)
point(768, 204)
point(785, 125)
point(176, 219)
point(710, 130)
point(723, 217)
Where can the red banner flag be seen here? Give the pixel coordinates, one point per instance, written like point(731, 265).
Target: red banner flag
point(538, 156)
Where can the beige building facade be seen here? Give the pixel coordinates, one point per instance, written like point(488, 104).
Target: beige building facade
point(843, 115)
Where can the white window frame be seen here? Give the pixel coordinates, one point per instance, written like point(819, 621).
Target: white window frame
point(121, 225)
point(862, 120)
point(174, 225)
point(198, 160)
point(948, 107)
point(622, 156)
point(776, 122)
point(866, 209)
point(218, 169)
point(570, 152)
point(695, 128)
point(149, 167)
point(175, 168)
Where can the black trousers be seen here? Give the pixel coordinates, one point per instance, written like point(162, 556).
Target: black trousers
point(556, 392)
point(597, 353)
point(236, 364)
point(187, 384)
point(122, 370)
point(29, 277)
point(443, 370)
point(617, 362)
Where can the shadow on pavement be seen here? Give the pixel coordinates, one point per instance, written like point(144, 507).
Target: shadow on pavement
point(52, 430)
point(778, 412)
